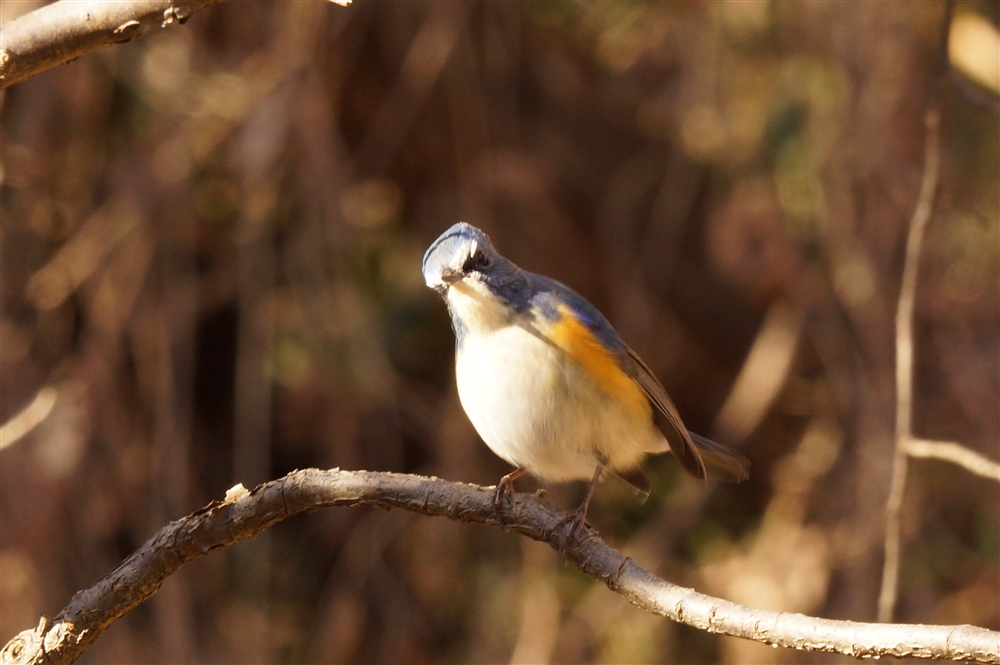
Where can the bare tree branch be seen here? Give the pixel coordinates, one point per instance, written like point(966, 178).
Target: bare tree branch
point(955, 453)
point(65, 30)
point(29, 418)
point(904, 325)
point(245, 514)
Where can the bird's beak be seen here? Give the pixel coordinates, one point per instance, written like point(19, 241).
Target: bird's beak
point(450, 275)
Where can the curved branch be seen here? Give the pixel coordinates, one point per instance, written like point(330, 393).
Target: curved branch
point(950, 451)
point(245, 514)
point(63, 31)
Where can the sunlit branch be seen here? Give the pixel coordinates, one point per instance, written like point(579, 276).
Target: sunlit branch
point(63, 31)
point(246, 514)
point(29, 418)
point(952, 452)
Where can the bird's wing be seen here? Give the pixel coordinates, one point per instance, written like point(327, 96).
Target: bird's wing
point(574, 336)
point(727, 465)
point(666, 416)
point(564, 318)
point(694, 451)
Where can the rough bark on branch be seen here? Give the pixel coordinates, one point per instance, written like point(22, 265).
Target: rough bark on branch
point(65, 30)
point(245, 514)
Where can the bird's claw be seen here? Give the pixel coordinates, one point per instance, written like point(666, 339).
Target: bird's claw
point(502, 491)
point(576, 521)
point(505, 488)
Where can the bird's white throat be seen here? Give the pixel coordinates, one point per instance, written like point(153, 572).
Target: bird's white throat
point(476, 306)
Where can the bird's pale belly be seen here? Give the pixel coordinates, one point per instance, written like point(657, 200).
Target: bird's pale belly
point(542, 412)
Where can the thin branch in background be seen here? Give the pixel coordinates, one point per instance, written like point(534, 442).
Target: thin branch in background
point(904, 326)
point(29, 418)
point(952, 452)
point(763, 374)
point(244, 515)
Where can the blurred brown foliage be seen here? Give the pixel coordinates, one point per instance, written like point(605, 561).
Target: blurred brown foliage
point(211, 252)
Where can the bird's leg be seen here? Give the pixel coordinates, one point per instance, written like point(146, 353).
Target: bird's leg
point(579, 515)
point(505, 487)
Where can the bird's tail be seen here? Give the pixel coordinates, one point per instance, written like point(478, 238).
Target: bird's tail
point(723, 463)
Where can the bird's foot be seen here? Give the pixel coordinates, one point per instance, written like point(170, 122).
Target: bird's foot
point(576, 520)
point(504, 490)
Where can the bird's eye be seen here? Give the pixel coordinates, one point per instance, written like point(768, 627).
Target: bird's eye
point(476, 262)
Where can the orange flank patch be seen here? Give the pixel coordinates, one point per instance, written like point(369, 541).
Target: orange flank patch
point(582, 346)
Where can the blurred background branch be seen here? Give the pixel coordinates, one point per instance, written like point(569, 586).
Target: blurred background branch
point(904, 322)
point(29, 418)
point(906, 445)
point(245, 514)
point(955, 453)
point(65, 30)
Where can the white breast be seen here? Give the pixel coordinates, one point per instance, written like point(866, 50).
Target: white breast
point(534, 407)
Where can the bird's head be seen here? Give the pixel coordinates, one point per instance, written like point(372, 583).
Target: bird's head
point(474, 279)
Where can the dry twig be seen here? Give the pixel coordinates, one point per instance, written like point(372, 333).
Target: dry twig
point(952, 452)
point(63, 31)
point(245, 514)
point(29, 418)
point(904, 327)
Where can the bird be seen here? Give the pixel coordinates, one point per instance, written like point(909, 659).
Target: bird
point(548, 383)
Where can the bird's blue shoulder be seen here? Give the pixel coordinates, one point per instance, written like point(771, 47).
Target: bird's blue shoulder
point(550, 299)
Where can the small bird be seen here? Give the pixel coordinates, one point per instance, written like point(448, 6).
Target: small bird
point(548, 383)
